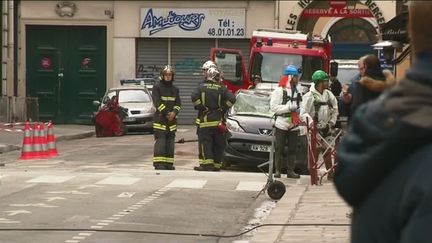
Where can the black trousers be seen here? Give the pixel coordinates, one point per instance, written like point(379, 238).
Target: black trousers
point(163, 153)
point(283, 138)
point(211, 146)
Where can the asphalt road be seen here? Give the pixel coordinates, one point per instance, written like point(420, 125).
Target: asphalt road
point(108, 184)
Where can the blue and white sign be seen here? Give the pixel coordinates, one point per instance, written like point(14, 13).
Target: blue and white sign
point(193, 23)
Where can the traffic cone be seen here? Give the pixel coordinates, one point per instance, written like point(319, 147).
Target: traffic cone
point(52, 147)
point(37, 148)
point(43, 141)
point(27, 148)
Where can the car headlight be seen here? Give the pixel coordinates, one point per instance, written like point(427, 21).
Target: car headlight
point(234, 126)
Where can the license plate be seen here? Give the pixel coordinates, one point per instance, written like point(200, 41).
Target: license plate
point(129, 119)
point(260, 148)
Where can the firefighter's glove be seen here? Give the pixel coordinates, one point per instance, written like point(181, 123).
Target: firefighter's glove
point(171, 116)
point(295, 119)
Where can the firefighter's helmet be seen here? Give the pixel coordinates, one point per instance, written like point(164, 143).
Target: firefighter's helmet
point(208, 64)
point(213, 74)
point(168, 69)
point(291, 70)
point(319, 76)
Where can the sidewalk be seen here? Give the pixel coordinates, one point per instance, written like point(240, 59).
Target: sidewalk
point(308, 205)
point(10, 141)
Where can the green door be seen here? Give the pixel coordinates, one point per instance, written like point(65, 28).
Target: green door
point(66, 70)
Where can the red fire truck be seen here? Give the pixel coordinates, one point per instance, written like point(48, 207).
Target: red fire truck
point(270, 51)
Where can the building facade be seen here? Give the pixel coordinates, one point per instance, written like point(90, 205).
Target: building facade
point(70, 52)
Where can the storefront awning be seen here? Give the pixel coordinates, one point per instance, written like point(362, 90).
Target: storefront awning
point(396, 29)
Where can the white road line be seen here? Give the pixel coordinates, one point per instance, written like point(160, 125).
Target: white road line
point(78, 237)
point(250, 186)
point(114, 218)
point(107, 221)
point(103, 224)
point(50, 179)
point(184, 183)
point(85, 234)
point(96, 227)
point(118, 215)
point(124, 213)
point(126, 194)
point(71, 241)
point(123, 180)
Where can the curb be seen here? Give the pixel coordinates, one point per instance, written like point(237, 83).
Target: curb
point(4, 148)
point(75, 136)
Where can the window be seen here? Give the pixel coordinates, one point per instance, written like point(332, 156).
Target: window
point(230, 66)
point(271, 65)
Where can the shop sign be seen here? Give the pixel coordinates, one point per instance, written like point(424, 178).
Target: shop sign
point(338, 4)
point(345, 13)
point(299, 9)
point(193, 23)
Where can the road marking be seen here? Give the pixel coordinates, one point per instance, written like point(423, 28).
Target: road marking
point(250, 186)
point(123, 213)
point(40, 205)
point(8, 221)
point(50, 199)
point(118, 215)
point(126, 194)
point(96, 227)
point(184, 183)
point(85, 234)
point(88, 186)
point(78, 237)
point(69, 192)
point(118, 181)
point(71, 241)
point(114, 218)
point(104, 224)
point(50, 179)
point(15, 212)
point(107, 221)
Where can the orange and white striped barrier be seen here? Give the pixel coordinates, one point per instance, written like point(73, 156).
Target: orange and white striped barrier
point(27, 147)
point(52, 147)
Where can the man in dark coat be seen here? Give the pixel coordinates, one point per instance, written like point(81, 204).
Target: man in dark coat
point(385, 160)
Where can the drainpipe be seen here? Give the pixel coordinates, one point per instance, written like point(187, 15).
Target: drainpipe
point(10, 53)
point(276, 14)
point(15, 45)
point(4, 44)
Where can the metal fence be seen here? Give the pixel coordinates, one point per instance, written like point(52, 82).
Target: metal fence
point(17, 109)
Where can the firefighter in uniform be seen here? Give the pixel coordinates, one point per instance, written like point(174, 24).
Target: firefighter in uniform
point(285, 102)
point(167, 102)
point(212, 101)
point(322, 106)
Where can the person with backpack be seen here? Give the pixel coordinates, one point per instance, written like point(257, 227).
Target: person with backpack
point(285, 102)
point(322, 106)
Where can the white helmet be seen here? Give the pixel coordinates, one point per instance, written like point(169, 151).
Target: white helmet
point(208, 65)
point(213, 74)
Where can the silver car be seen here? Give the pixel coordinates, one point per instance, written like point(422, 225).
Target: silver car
point(137, 103)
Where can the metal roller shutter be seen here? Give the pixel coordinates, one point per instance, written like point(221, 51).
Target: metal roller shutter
point(187, 56)
point(152, 56)
point(242, 44)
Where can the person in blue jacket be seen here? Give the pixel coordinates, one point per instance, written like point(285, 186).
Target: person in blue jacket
point(385, 160)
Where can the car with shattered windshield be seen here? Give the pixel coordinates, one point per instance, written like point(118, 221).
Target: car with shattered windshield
point(249, 123)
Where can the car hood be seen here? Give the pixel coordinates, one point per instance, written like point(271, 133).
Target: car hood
point(137, 106)
point(253, 124)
